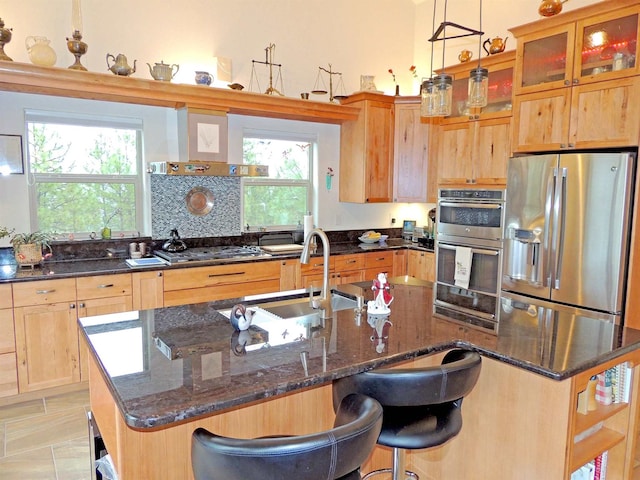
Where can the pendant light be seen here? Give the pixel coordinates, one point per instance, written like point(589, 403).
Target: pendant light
point(478, 91)
point(427, 91)
point(443, 83)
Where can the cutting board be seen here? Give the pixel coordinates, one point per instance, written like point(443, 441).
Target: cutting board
point(286, 248)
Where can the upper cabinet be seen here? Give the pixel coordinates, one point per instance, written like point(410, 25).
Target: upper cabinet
point(500, 97)
point(366, 150)
point(411, 153)
point(575, 79)
point(473, 144)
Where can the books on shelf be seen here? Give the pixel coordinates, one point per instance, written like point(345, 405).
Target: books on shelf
point(596, 469)
point(611, 386)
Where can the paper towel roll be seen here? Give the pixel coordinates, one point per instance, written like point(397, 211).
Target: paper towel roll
point(307, 225)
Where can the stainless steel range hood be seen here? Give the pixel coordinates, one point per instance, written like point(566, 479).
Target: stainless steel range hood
point(210, 169)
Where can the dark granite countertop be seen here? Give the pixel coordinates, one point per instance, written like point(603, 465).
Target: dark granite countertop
point(49, 270)
point(170, 364)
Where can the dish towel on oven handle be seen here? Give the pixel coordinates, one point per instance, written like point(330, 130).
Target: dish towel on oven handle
point(464, 256)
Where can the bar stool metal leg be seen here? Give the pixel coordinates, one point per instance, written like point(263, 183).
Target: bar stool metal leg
point(399, 462)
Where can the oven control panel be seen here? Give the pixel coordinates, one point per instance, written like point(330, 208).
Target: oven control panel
point(471, 194)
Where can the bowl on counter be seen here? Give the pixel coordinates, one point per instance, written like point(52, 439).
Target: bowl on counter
point(380, 239)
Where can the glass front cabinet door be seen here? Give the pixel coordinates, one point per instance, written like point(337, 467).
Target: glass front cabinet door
point(569, 51)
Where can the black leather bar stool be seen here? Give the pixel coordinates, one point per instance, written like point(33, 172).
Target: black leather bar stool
point(334, 454)
point(422, 406)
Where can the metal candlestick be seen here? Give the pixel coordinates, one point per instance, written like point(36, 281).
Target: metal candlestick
point(5, 37)
point(78, 48)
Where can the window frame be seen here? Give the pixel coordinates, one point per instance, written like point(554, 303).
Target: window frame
point(84, 120)
point(312, 140)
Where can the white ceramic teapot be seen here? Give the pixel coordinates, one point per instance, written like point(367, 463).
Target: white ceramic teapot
point(163, 72)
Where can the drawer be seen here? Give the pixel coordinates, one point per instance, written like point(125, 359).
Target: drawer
point(346, 263)
point(379, 260)
point(200, 277)
point(6, 300)
point(316, 266)
point(103, 286)
point(43, 292)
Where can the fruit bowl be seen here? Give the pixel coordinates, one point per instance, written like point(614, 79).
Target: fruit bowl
point(366, 239)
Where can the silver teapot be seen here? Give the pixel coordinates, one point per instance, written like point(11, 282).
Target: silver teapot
point(163, 72)
point(120, 65)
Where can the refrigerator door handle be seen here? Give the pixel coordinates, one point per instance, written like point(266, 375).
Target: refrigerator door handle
point(559, 211)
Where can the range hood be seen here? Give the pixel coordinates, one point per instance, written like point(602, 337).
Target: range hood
point(207, 169)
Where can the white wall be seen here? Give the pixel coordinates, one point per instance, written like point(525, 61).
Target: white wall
point(355, 36)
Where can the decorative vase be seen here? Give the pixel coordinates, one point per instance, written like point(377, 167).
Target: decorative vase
point(5, 37)
point(203, 78)
point(397, 90)
point(40, 52)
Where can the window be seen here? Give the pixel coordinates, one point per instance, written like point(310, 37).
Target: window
point(85, 174)
point(284, 197)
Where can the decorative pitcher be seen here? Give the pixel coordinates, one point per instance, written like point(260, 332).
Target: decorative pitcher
point(496, 45)
point(120, 65)
point(163, 72)
point(549, 8)
point(40, 52)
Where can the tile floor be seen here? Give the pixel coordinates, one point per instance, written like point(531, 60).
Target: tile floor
point(46, 438)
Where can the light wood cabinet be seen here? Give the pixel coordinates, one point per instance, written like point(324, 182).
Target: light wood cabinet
point(474, 152)
point(47, 346)
point(100, 295)
point(400, 262)
point(421, 265)
point(366, 150)
point(147, 289)
point(594, 115)
point(411, 152)
point(312, 273)
point(8, 366)
point(348, 268)
point(289, 274)
point(377, 262)
point(204, 284)
point(571, 91)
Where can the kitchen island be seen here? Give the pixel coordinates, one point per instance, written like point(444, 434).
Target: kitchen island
point(156, 375)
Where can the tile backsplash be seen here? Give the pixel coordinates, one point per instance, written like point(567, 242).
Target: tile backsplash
point(169, 207)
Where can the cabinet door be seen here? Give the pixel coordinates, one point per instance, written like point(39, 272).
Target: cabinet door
point(399, 263)
point(148, 288)
point(411, 154)
point(99, 306)
point(366, 151)
point(8, 367)
point(289, 273)
point(492, 149)
point(46, 346)
point(454, 153)
point(541, 121)
point(421, 265)
point(544, 59)
point(606, 114)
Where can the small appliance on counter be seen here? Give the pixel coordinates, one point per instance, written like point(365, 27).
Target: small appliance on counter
point(408, 226)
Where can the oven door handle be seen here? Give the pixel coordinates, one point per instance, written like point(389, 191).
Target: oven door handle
point(475, 313)
point(483, 206)
point(481, 251)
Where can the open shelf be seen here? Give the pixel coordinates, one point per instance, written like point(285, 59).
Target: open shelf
point(592, 446)
point(63, 82)
point(583, 422)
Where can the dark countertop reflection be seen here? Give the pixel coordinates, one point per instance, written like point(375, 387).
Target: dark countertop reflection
point(170, 364)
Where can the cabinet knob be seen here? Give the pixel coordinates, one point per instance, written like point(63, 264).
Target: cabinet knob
point(82, 305)
point(567, 82)
point(576, 81)
point(72, 306)
point(562, 145)
point(572, 145)
point(159, 274)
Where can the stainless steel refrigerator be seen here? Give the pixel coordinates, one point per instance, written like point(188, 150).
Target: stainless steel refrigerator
point(566, 231)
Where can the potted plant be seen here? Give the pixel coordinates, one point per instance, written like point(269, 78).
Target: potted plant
point(28, 247)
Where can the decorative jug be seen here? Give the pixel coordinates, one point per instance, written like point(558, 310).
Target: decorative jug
point(40, 52)
point(120, 65)
point(163, 72)
point(465, 56)
point(496, 45)
point(203, 78)
point(549, 8)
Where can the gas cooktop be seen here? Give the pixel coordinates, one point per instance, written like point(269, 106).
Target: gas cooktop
point(211, 254)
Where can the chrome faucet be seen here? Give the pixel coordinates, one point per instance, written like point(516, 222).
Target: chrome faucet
point(324, 301)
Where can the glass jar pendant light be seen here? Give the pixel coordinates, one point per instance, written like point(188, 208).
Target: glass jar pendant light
point(478, 92)
point(443, 86)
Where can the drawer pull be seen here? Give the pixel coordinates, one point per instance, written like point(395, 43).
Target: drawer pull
point(213, 275)
point(351, 261)
point(44, 292)
point(105, 285)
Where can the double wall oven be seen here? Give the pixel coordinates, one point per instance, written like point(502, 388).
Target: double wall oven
point(469, 221)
